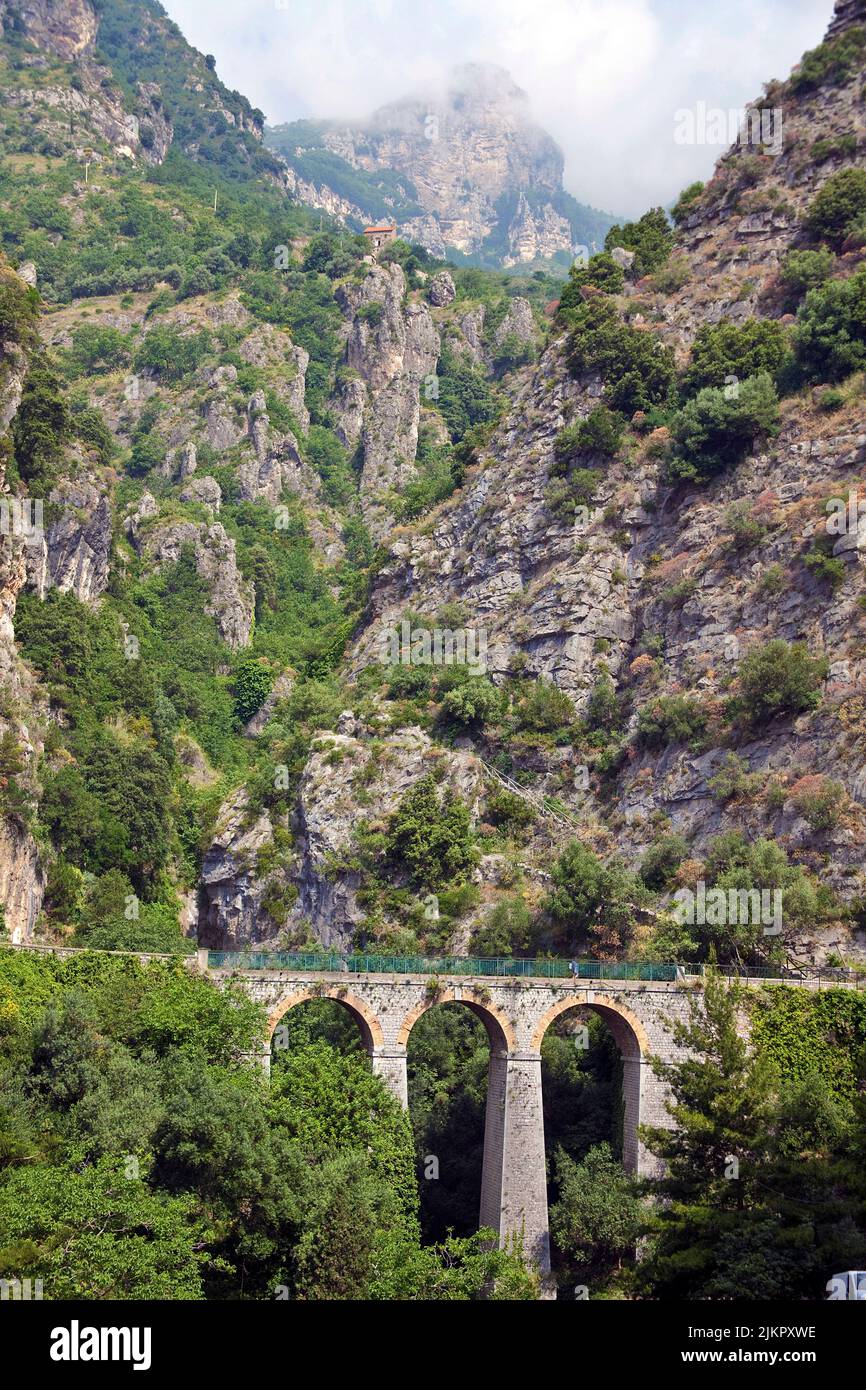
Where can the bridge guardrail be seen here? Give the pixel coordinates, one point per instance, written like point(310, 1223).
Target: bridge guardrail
point(498, 967)
point(506, 967)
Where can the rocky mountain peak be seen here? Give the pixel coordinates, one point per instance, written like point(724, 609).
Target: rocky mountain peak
point(464, 169)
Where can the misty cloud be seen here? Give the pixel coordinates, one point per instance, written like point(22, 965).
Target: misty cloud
point(605, 77)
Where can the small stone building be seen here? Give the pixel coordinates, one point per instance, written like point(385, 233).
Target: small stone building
point(377, 237)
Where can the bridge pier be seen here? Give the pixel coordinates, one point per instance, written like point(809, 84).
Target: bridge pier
point(524, 1173)
point(389, 1063)
point(514, 1182)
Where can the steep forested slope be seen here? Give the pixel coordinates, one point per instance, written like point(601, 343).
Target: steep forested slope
point(270, 468)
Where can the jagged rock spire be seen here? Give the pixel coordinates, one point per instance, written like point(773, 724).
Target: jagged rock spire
point(847, 12)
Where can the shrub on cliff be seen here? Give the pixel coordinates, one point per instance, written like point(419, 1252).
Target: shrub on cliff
point(601, 432)
point(637, 368)
point(252, 685)
point(840, 203)
point(651, 239)
point(802, 271)
point(601, 272)
point(431, 839)
point(830, 337)
point(725, 350)
point(780, 679)
point(19, 308)
point(685, 202)
point(715, 429)
point(41, 427)
point(832, 62)
point(670, 719)
point(591, 899)
point(544, 709)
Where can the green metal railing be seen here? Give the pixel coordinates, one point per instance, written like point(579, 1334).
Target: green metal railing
point(544, 968)
point(499, 966)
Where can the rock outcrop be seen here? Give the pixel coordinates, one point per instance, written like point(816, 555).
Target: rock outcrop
point(518, 323)
point(232, 598)
point(74, 553)
point(316, 874)
point(67, 30)
point(393, 346)
point(22, 713)
point(234, 884)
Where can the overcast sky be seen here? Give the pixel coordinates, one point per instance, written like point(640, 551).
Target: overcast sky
point(605, 77)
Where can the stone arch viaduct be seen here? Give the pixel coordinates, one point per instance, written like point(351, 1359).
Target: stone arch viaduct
point(516, 1013)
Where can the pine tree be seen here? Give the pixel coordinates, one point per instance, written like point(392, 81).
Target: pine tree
point(755, 1200)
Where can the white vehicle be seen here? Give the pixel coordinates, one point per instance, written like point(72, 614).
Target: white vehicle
point(850, 1285)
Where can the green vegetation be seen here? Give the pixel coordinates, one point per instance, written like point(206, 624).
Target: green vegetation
point(802, 271)
point(725, 351)
point(831, 63)
point(838, 207)
point(637, 372)
point(762, 1179)
point(141, 1154)
point(671, 719)
point(170, 354)
point(715, 428)
point(466, 398)
point(823, 563)
point(591, 903)
point(380, 193)
point(651, 239)
point(430, 837)
point(601, 432)
point(598, 1215)
point(686, 202)
point(600, 271)
point(144, 1158)
point(830, 336)
point(779, 680)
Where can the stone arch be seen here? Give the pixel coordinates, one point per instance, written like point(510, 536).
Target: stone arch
point(500, 1031)
point(368, 1024)
point(626, 1027)
point(631, 1038)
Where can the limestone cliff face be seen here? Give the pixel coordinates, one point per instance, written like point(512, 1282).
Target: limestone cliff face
point(567, 603)
point(652, 587)
point(393, 346)
point(735, 234)
point(462, 154)
point(846, 13)
point(74, 553)
point(64, 27)
point(99, 107)
point(497, 548)
point(22, 880)
point(94, 106)
point(240, 880)
point(233, 885)
point(232, 598)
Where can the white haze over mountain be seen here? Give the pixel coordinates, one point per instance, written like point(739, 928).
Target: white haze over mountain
point(605, 77)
